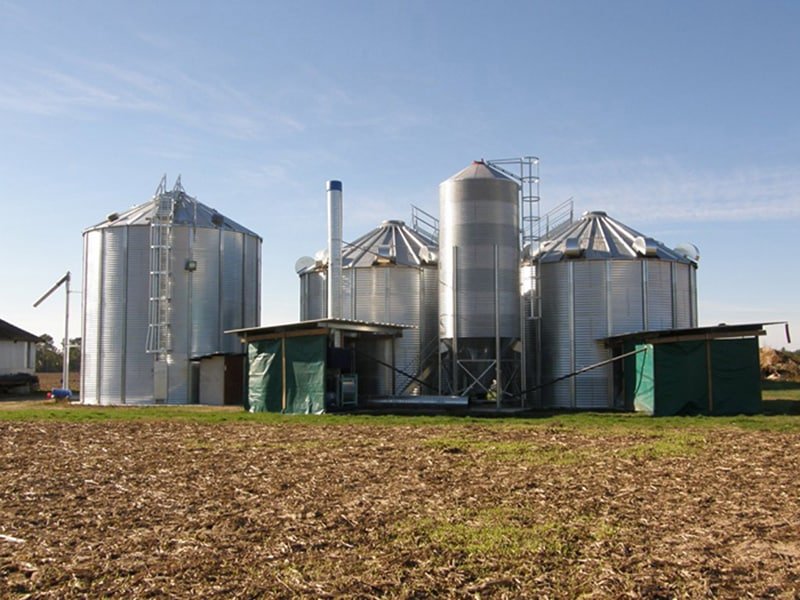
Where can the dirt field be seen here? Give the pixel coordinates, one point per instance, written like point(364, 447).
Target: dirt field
point(48, 381)
point(247, 510)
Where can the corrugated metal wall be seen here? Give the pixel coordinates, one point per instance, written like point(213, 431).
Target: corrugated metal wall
point(585, 301)
point(138, 364)
point(590, 324)
point(92, 244)
point(221, 294)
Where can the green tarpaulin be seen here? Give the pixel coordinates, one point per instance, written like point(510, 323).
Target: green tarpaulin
point(264, 380)
point(714, 377)
point(305, 374)
point(287, 375)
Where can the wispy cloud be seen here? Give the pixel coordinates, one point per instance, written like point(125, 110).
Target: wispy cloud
point(660, 190)
point(75, 87)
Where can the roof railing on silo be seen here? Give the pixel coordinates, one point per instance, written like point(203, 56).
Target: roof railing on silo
point(424, 223)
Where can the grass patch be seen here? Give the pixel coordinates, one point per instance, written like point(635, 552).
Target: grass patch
point(665, 445)
point(780, 397)
point(605, 423)
point(500, 534)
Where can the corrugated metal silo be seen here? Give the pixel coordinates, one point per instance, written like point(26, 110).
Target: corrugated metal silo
point(479, 283)
point(597, 279)
point(389, 276)
point(159, 289)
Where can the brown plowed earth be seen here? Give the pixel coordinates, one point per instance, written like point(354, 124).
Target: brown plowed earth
point(177, 509)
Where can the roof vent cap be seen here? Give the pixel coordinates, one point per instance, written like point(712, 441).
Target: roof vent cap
point(688, 250)
point(645, 246)
point(572, 248)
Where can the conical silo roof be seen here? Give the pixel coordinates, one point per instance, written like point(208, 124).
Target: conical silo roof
point(391, 242)
point(596, 236)
point(186, 211)
point(480, 170)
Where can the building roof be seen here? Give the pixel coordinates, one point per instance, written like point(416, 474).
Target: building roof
point(480, 170)
point(15, 334)
point(391, 242)
point(600, 237)
point(187, 211)
point(321, 325)
point(722, 330)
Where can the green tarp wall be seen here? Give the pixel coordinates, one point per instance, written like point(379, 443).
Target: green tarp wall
point(673, 378)
point(292, 366)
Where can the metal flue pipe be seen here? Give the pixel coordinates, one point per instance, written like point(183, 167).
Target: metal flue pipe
point(334, 189)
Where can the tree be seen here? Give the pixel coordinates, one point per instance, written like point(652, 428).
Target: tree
point(48, 358)
point(75, 355)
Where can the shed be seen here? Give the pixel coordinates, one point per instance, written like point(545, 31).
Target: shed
point(702, 370)
point(218, 379)
point(311, 367)
point(17, 357)
point(17, 349)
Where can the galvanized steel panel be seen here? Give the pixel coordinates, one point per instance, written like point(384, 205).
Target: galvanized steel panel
point(404, 294)
point(557, 334)
point(251, 283)
point(590, 326)
point(178, 379)
point(477, 214)
point(684, 296)
point(90, 340)
point(232, 288)
point(313, 291)
point(112, 315)
point(182, 290)
point(205, 324)
point(658, 289)
point(138, 363)
point(625, 298)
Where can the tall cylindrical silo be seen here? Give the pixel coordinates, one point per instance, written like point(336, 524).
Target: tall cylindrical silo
point(389, 275)
point(479, 286)
point(598, 279)
point(161, 283)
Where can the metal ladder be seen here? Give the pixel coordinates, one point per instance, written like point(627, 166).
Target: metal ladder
point(159, 338)
point(525, 171)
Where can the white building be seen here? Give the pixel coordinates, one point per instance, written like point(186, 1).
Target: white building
point(17, 350)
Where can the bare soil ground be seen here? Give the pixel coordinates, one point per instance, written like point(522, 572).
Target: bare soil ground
point(48, 381)
point(247, 510)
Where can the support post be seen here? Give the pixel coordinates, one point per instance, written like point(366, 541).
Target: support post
point(497, 364)
point(710, 377)
point(454, 349)
point(65, 374)
point(283, 374)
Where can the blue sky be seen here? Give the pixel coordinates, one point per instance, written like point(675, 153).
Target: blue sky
point(678, 118)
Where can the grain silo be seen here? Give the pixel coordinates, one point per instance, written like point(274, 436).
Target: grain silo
point(600, 278)
point(389, 275)
point(161, 282)
point(479, 283)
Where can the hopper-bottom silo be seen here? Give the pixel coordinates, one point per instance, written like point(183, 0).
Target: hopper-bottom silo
point(479, 285)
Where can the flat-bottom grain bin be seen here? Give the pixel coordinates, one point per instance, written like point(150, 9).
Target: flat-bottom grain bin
point(162, 281)
point(598, 279)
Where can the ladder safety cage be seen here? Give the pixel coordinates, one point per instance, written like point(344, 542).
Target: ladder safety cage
point(159, 338)
point(525, 171)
